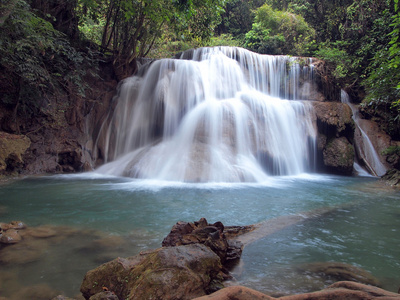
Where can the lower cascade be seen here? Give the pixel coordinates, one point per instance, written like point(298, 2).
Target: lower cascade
point(215, 115)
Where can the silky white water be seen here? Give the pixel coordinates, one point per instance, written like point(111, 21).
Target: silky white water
point(226, 115)
point(367, 150)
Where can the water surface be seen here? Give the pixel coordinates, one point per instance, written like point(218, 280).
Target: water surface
point(354, 220)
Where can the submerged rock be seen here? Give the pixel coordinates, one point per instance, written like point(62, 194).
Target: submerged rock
point(339, 290)
point(44, 231)
point(339, 272)
point(36, 292)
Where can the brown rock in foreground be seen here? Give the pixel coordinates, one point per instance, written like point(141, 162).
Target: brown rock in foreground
point(337, 291)
point(181, 272)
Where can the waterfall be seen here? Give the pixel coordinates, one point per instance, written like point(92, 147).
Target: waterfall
point(218, 114)
point(366, 151)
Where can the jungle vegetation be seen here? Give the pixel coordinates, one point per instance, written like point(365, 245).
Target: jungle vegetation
point(50, 45)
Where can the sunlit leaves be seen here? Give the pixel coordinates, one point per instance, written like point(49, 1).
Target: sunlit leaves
point(279, 32)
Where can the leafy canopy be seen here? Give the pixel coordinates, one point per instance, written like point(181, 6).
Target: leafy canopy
point(279, 32)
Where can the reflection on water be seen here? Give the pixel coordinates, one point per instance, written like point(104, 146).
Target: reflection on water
point(100, 218)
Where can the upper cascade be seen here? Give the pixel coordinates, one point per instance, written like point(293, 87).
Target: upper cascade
point(219, 114)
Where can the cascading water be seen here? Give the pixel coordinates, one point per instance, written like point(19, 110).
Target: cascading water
point(366, 150)
point(224, 115)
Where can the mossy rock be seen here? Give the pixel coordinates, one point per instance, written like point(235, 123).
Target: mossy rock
point(181, 272)
point(338, 156)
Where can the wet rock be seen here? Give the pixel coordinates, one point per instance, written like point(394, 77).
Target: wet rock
point(338, 156)
point(61, 297)
point(211, 235)
point(181, 272)
point(337, 291)
point(236, 293)
point(12, 225)
point(10, 236)
point(335, 136)
point(339, 272)
point(334, 119)
point(106, 295)
point(392, 177)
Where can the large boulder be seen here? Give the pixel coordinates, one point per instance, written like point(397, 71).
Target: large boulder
point(335, 137)
point(338, 156)
point(334, 119)
point(181, 272)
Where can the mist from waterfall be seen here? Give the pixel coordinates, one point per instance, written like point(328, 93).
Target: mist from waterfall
point(216, 115)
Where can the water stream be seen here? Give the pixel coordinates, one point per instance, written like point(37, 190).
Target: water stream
point(98, 218)
point(368, 153)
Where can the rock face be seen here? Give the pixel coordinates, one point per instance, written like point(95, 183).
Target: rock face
point(339, 290)
point(12, 149)
point(181, 272)
point(61, 134)
point(338, 156)
point(335, 136)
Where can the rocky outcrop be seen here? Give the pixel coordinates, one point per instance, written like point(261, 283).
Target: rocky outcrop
point(12, 149)
point(335, 137)
point(338, 156)
point(210, 235)
point(60, 135)
point(392, 177)
point(181, 272)
point(337, 291)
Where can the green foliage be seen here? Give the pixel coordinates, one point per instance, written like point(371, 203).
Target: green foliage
point(130, 29)
point(394, 50)
point(392, 150)
point(223, 40)
point(279, 32)
point(338, 59)
point(38, 61)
